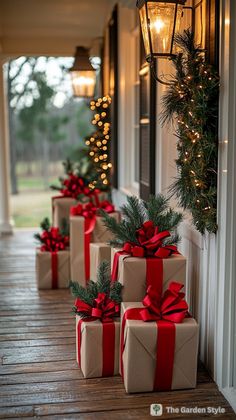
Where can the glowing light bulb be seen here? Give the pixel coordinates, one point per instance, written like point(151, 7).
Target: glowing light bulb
point(158, 25)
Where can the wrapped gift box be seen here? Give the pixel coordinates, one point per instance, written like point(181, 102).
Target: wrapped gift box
point(49, 277)
point(132, 274)
point(77, 245)
point(140, 350)
point(99, 252)
point(97, 355)
point(61, 209)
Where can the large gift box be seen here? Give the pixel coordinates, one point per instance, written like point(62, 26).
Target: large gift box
point(84, 231)
point(99, 251)
point(97, 347)
point(61, 209)
point(52, 269)
point(158, 355)
point(137, 273)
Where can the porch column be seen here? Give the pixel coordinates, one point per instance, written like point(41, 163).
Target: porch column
point(5, 222)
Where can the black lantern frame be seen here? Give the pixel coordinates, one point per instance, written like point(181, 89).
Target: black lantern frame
point(82, 65)
point(151, 54)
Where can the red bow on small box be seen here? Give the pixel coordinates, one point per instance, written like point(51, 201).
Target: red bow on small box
point(53, 241)
point(74, 186)
point(103, 308)
point(169, 307)
point(86, 210)
point(150, 242)
point(107, 206)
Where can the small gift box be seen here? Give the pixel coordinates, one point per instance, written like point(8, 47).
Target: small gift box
point(137, 273)
point(99, 252)
point(61, 206)
point(52, 258)
point(86, 227)
point(158, 349)
point(97, 309)
point(97, 347)
point(52, 269)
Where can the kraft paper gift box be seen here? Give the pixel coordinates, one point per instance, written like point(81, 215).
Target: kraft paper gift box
point(77, 245)
point(99, 252)
point(140, 351)
point(61, 209)
point(97, 355)
point(132, 273)
point(52, 274)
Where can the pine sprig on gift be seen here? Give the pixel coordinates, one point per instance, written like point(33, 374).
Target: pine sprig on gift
point(136, 212)
point(103, 285)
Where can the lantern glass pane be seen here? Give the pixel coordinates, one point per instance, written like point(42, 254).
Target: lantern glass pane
point(83, 83)
point(162, 17)
point(143, 21)
point(178, 25)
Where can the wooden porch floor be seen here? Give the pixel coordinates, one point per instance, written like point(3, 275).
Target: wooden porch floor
point(39, 375)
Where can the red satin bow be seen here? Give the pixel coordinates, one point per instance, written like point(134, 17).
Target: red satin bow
point(87, 210)
point(73, 186)
point(150, 242)
point(53, 241)
point(170, 307)
point(103, 308)
point(107, 206)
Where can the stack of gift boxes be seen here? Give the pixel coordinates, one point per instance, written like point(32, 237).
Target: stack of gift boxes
point(135, 321)
point(64, 253)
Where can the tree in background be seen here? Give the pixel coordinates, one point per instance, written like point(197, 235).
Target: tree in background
point(46, 123)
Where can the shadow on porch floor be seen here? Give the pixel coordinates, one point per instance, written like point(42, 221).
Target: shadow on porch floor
point(39, 375)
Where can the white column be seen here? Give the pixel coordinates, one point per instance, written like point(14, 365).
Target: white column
point(5, 223)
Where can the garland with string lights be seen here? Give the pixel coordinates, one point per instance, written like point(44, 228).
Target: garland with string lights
point(98, 142)
point(191, 101)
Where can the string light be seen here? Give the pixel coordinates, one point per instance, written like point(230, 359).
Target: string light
point(98, 142)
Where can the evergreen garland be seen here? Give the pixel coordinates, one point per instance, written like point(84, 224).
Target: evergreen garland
point(135, 212)
point(192, 101)
point(103, 285)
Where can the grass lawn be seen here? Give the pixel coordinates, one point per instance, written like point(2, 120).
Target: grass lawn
point(29, 208)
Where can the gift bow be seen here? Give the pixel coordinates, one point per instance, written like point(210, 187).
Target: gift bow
point(103, 308)
point(53, 241)
point(170, 307)
point(87, 210)
point(150, 242)
point(107, 206)
point(73, 186)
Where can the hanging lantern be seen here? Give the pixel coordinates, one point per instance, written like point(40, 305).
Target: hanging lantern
point(83, 74)
point(160, 20)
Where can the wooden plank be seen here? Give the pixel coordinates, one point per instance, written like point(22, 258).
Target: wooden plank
point(38, 372)
point(38, 367)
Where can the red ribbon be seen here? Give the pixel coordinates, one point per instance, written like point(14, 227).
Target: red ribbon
point(166, 310)
point(103, 309)
point(150, 247)
point(54, 269)
point(89, 212)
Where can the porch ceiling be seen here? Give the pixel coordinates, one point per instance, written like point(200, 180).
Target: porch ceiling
point(50, 27)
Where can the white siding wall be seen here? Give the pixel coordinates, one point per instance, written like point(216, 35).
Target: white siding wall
point(211, 266)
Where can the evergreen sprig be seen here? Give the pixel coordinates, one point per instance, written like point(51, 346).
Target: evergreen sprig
point(135, 212)
point(103, 285)
point(191, 101)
